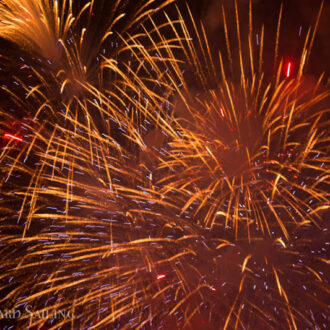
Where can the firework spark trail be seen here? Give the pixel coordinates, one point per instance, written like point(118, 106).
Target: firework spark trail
point(128, 239)
point(37, 25)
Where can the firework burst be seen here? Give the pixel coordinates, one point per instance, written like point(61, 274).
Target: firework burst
point(252, 151)
point(204, 219)
point(69, 52)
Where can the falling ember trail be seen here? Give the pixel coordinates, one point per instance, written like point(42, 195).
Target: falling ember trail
point(160, 277)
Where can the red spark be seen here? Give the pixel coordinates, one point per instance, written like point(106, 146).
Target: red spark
point(13, 137)
point(288, 71)
point(161, 276)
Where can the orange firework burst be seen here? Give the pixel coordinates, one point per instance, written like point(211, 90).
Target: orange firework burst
point(253, 152)
point(69, 52)
point(198, 214)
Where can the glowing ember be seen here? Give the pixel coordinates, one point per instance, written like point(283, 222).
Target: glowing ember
point(288, 71)
point(13, 137)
